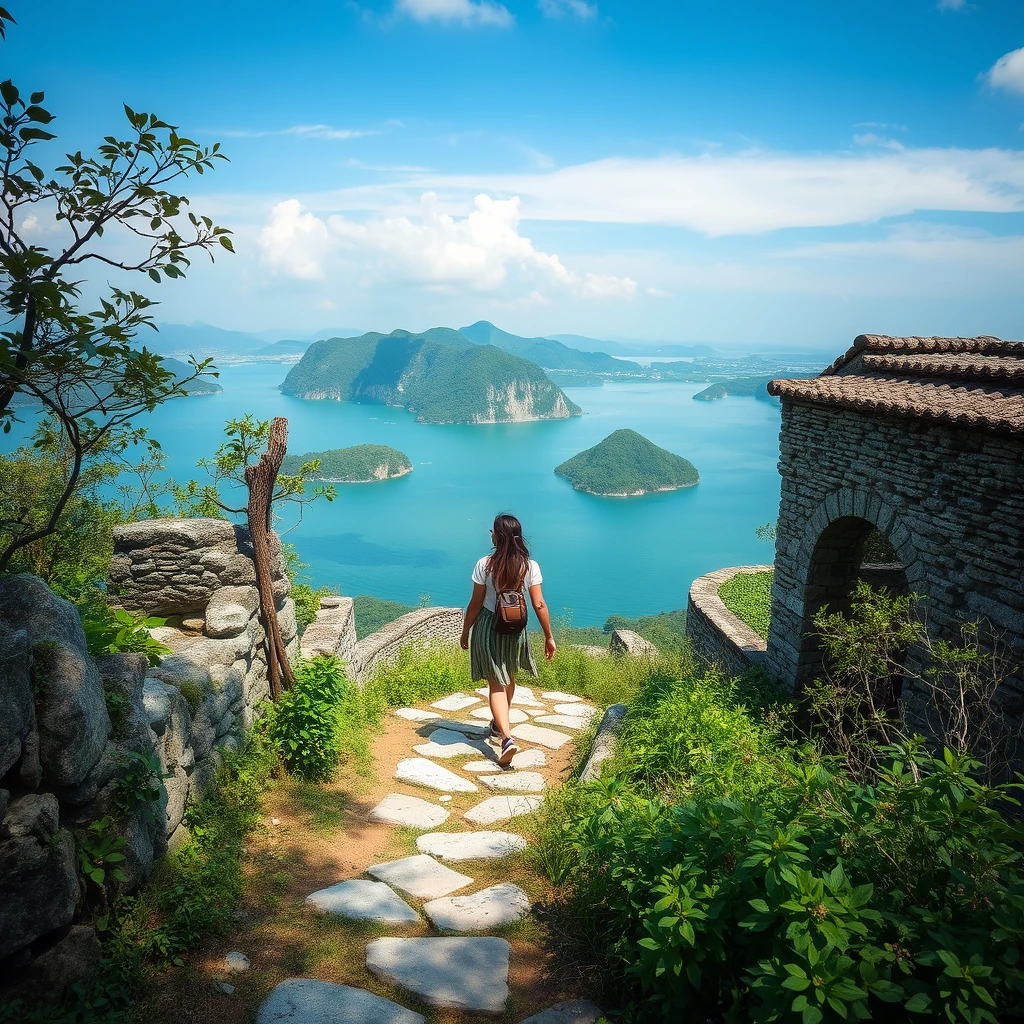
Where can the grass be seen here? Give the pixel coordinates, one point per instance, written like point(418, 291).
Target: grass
point(748, 595)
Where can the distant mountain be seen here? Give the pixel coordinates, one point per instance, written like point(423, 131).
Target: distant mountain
point(552, 355)
point(625, 464)
point(199, 339)
point(439, 375)
point(636, 348)
point(756, 387)
point(337, 332)
point(288, 347)
point(361, 464)
point(204, 385)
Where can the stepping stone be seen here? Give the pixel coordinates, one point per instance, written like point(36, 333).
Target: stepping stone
point(455, 702)
point(532, 758)
point(587, 711)
point(558, 695)
point(515, 782)
point(501, 808)
point(533, 712)
point(364, 901)
point(545, 737)
point(489, 908)
point(410, 811)
point(305, 1001)
point(514, 715)
point(469, 728)
point(465, 973)
point(416, 715)
point(418, 771)
point(481, 766)
point(470, 845)
point(419, 875)
point(525, 696)
point(448, 743)
point(571, 1011)
point(564, 721)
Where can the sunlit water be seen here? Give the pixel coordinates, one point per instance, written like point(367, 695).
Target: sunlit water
point(421, 534)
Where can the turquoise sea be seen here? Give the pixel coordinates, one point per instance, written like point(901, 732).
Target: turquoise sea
point(422, 533)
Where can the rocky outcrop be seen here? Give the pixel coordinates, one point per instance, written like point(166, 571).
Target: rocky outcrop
point(72, 726)
point(626, 641)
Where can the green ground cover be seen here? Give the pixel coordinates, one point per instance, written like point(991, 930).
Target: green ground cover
point(748, 595)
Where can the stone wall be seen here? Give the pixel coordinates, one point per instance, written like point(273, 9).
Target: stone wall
point(950, 501)
point(333, 631)
point(70, 725)
point(423, 627)
point(718, 636)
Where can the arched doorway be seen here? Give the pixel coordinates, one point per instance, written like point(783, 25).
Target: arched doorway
point(848, 549)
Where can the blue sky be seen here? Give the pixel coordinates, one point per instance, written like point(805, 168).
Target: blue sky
point(734, 172)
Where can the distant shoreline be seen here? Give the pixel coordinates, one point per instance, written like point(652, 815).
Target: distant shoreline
point(374, 480)
point(634, 494)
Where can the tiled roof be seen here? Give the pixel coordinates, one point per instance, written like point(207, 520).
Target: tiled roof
point(971, 382)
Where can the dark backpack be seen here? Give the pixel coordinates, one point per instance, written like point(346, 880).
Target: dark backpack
point(510, 612)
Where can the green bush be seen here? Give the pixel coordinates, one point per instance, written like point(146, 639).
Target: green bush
point(113, 630)
point(725, 873)
point(304, 725)
point(748, 595)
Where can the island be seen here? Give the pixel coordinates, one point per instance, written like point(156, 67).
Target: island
point(626, 464)
point(439, 375)
point(360, 464)
point(204, 385)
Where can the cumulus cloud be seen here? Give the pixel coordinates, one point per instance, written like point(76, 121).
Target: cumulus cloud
point(295, 242)
point(482, 252)
point(746, 193)
point(560, 8)
point(1008, 72)
point(464, 12)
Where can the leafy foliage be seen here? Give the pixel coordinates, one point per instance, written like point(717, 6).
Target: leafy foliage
point(304, 724)
point(360, 464)
point(625, 462)
point(748, 595)
point(666, 630)
point(138, 781)
point(100, 849)
point(726, 872)
point(444, 378)
point(83, 367)
point(113, 630)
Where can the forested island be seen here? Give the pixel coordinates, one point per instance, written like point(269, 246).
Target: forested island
point(439, 375)
point(626, 464)
point(360, 464)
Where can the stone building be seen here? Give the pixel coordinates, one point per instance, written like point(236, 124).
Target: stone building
point(921, 439)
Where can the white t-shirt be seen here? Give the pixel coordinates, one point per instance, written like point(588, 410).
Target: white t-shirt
point(481, 575)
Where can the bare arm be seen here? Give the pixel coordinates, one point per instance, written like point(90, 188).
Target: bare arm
point(476, 602)
point(541, 608)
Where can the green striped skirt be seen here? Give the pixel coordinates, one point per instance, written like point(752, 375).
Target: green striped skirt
point(498, 657)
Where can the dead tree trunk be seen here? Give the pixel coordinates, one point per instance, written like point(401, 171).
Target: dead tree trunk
point(260, 479)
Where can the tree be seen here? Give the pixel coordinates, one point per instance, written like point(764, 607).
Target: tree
point(251, 458)
point(84, 367)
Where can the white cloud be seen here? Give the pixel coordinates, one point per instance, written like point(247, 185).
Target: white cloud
point(306, 131)
point(294, 242)
point(873, 139)
point(465, 12)
point(1008, 72)
point(743, 193)
point(952, 5)
point(482, 252)
point(560, 8)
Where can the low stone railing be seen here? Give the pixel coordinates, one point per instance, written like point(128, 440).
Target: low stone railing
point(718, 636)
point(424, 627)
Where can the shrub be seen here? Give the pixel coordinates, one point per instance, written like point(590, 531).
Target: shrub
point(304, 724)
point(113, 630)
point(725, 873)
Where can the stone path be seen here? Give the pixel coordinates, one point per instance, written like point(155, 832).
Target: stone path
point(458, 968)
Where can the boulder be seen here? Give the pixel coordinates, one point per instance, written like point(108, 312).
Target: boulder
point(230, 609)
point(72, 960)
point(286, 620)
point(70, 708)
point(626, 641)
point(124, 673)
point(38, 886)
point(17, 707)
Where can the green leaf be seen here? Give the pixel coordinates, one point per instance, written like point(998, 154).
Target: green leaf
point(227, 243)
point(35, 134)
point(918, 1003)
point(9, 92)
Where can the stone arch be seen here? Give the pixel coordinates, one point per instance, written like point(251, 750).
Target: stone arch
point(830, 562)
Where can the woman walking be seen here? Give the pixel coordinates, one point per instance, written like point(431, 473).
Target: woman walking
point(499, 649)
